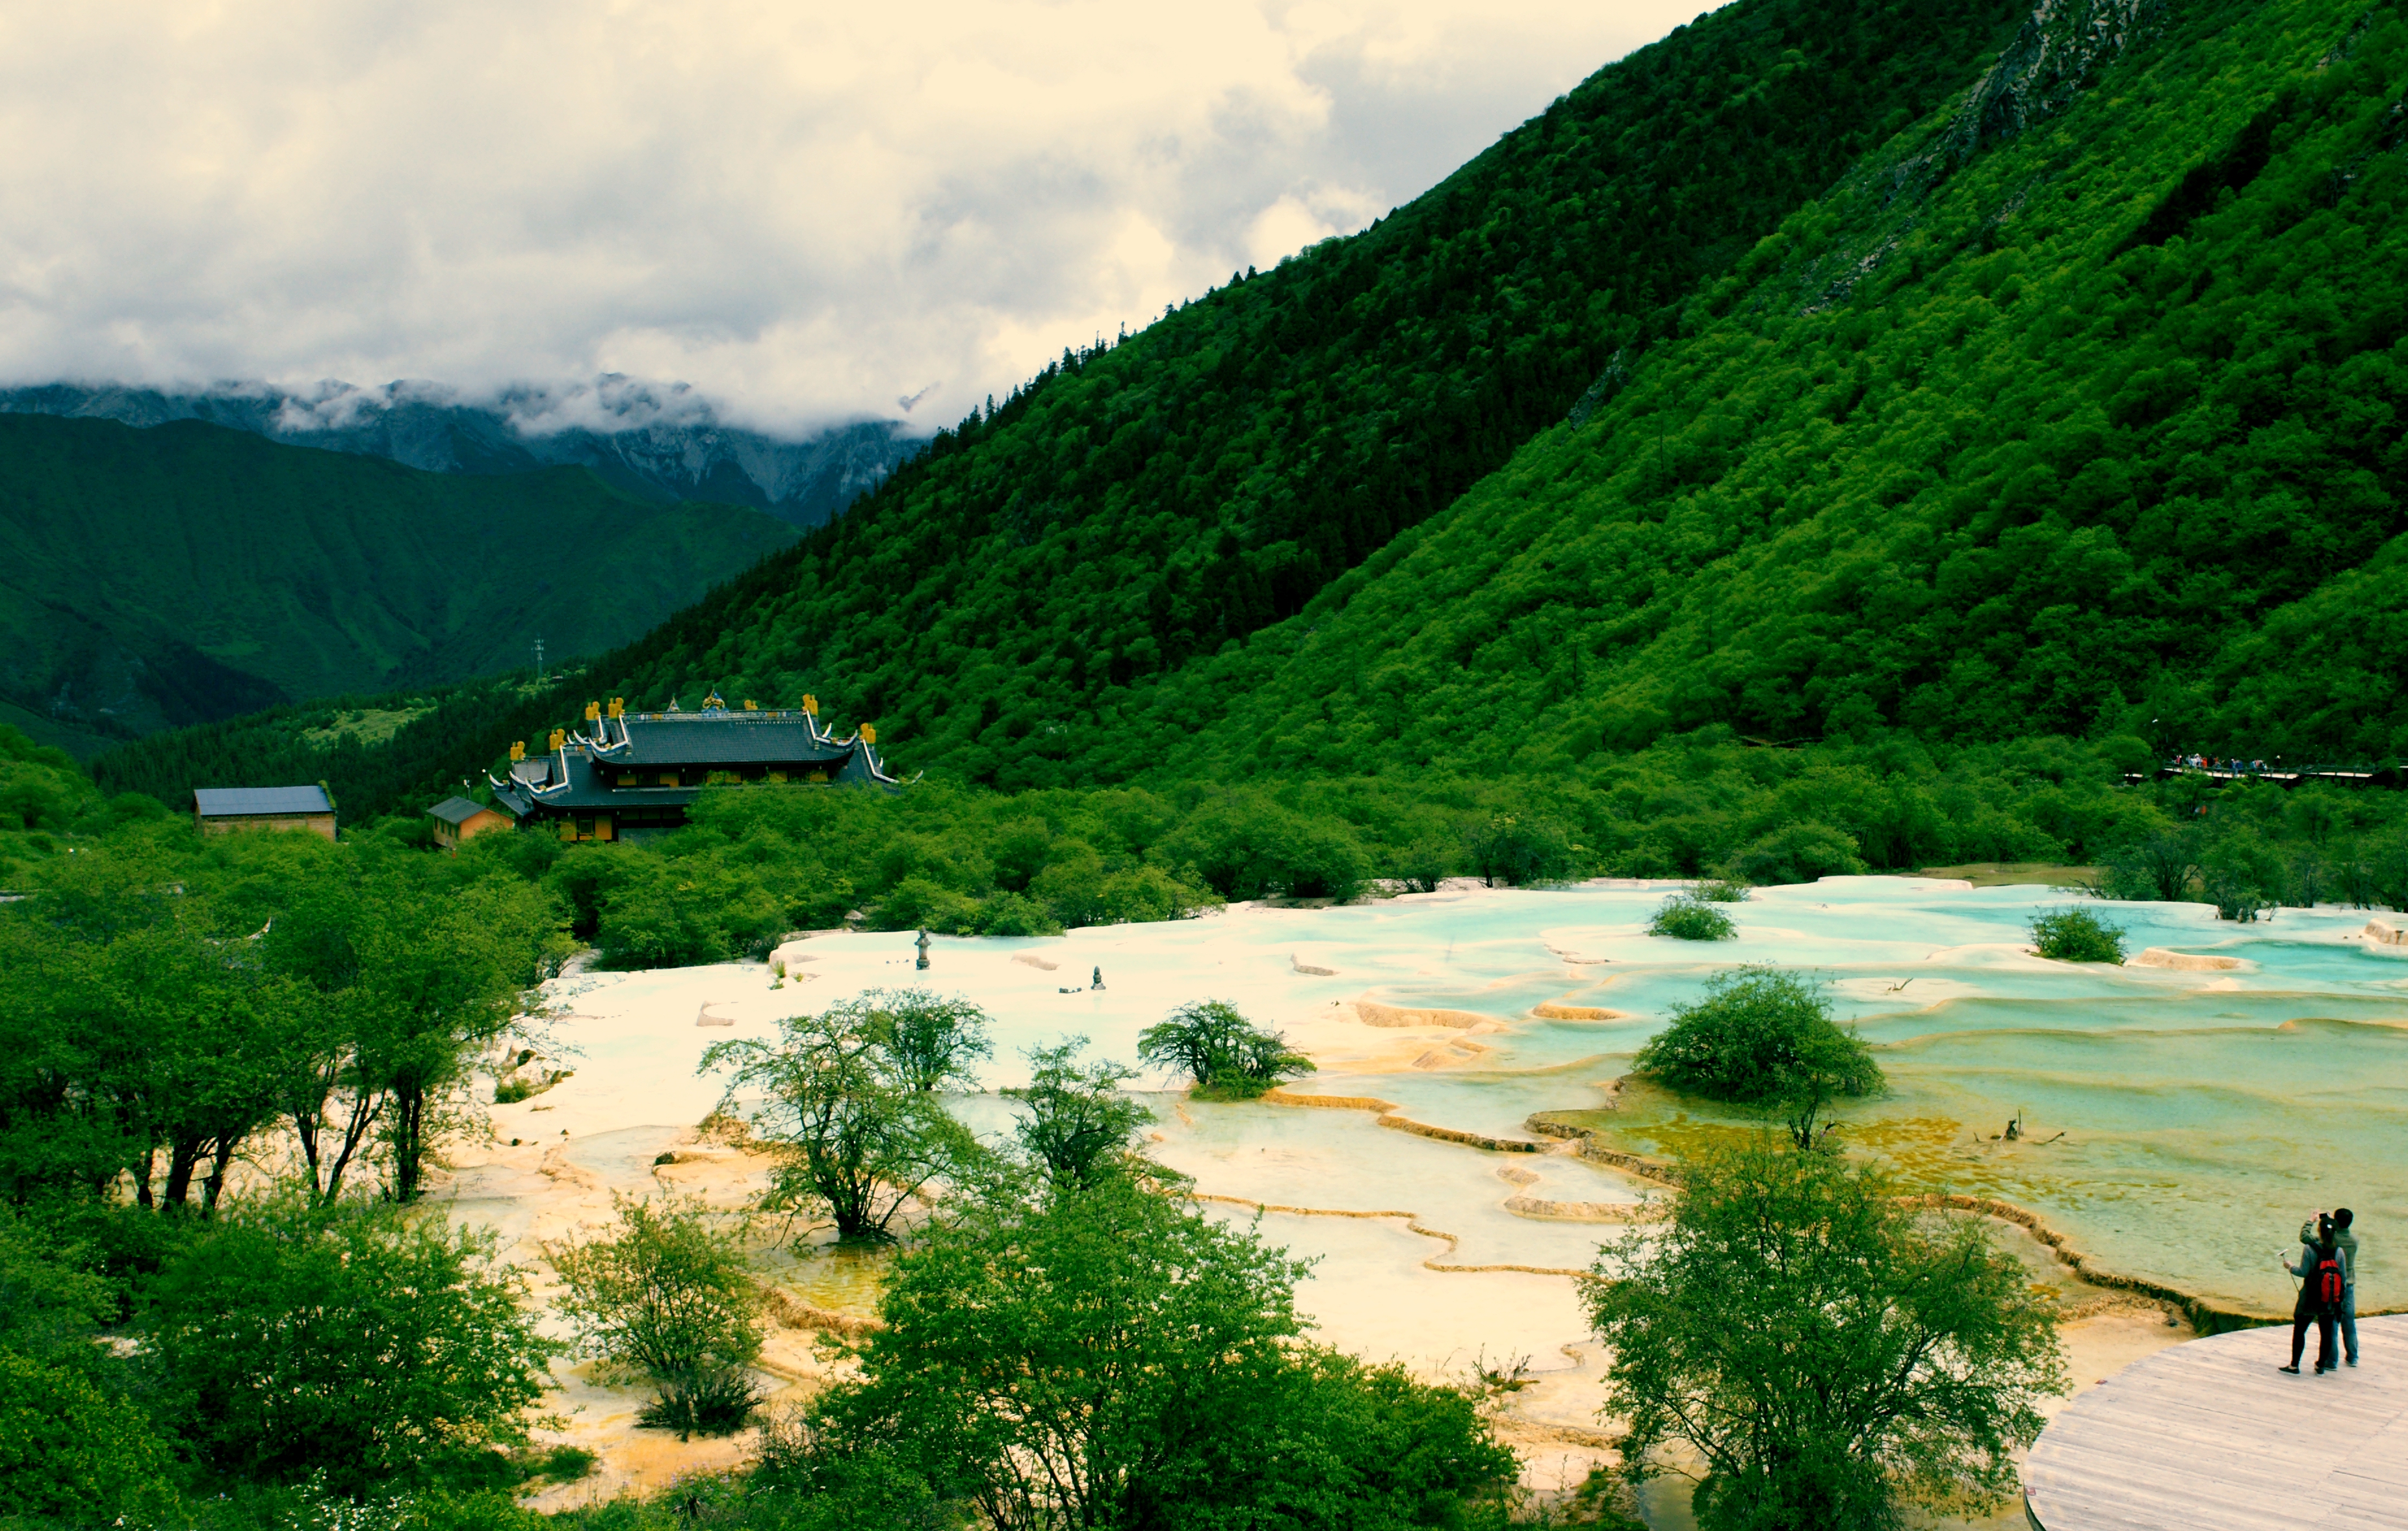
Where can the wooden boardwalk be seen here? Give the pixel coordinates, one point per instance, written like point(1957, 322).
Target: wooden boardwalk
point(2209, 1437)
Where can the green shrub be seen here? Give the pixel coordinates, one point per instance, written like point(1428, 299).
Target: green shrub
point(2242, 876)
point(1799, 852)
point(1107, 1356)
point(1229, 1057)
point(1424, 863)
point(362, 1343)
point(1762, 1037)
point(1147, 893)
point(921, 903)
point(69, 1448)
point(1769, 1258)
point(1079, 891)
point(1726, 890)
point(1518, 850)
point(1076, 1123)
point(2160, 866)
point(1245, 846)
point(928, 1042)
point(1684, 916)
point(563, 1463)
point(2076, 935)
point(655, 913)
point(665, 1297)
point(1016, 914)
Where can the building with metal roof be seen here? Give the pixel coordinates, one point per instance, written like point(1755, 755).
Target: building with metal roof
point(624, 776)
point(218, 809)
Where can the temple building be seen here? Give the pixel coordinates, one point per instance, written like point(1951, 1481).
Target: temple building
point(625, 775)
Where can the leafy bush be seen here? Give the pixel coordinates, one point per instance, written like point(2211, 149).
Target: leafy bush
point(1077, 1124)
point(2076, 935)
point(665, 1297)
point(1762, 1037)
point(851, 1132)
point(2161, 866)
point(928, 1042)
point(921, 903)
point(1105, 1356)
point(1799, 852)
point(1830, 1296)
point(1229, 1057)
point(1725, 889)
point(1082, 892)
point(1246, 845)
point(670, 913)
point(563, 1464)
point(72, 1444)
point(1684, 916)
point(1518, 850)
point(1016, 914)
point(1423, 864)
point(2242, 876)
point(71, 1449)
point(361, 1343)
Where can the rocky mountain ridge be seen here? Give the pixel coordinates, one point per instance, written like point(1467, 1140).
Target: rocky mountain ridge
point(661, 444)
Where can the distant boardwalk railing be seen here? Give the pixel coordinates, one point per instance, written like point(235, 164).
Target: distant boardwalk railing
point(2223, 774)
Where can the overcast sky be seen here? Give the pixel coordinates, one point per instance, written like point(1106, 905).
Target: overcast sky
point(808, 211)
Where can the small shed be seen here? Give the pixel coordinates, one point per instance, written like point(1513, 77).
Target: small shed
point(218, 809)
point(457, 819)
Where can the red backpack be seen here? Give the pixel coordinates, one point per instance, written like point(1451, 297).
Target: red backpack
point(2326, 1281)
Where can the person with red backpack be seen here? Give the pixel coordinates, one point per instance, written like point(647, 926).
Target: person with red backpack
point(2345, 1241)
point(2323, 1285)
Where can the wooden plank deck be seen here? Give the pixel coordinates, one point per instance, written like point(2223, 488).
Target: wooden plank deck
point(2209, 1437)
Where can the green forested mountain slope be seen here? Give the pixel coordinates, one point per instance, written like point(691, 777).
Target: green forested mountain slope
point(2107, 439)
point(185, 572)
point(2073, 407)
point(1141, 506)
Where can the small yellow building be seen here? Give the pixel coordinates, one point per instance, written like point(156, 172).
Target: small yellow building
point(218, 809)
point(457, 819)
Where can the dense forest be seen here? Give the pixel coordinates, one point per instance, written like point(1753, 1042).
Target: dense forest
point(1141, 506)
point(2107, 438)
point(2067, 405)
point(1838, 437)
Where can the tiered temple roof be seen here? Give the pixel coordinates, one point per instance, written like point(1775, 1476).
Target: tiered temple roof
point(640, 770)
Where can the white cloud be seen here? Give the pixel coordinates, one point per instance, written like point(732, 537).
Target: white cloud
point(806, 211)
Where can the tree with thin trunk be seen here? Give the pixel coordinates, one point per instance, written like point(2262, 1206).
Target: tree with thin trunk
point(415, 980)
point(1763, 1037)
point(1108, 1356)
point(929, 1042)
point(1828, 1349)
point(1076, 1123)
point(664, 1296)
point(850, 1131)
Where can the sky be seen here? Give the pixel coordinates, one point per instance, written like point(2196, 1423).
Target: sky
point(808, 212)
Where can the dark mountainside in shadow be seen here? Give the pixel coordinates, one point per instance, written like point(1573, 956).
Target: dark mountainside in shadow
point(171, 576)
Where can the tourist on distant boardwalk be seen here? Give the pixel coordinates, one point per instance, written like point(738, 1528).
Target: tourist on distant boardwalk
point(2320, 1294)
point(2346, 1242)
